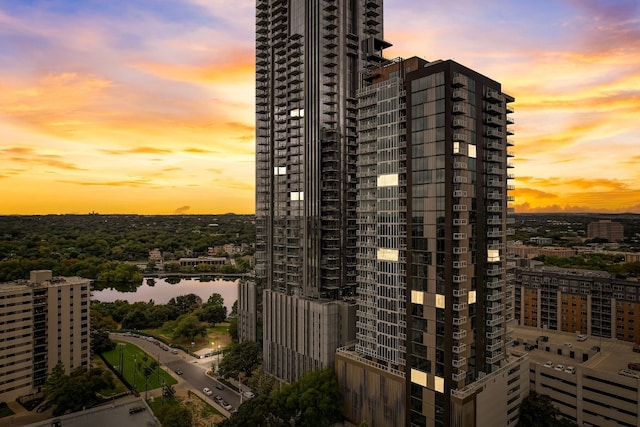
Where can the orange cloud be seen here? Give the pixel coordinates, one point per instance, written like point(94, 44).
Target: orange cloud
point(137, 150)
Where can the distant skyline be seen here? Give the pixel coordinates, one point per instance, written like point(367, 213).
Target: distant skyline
point(147, 106)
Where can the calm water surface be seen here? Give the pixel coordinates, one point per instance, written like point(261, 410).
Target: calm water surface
point(163, 291)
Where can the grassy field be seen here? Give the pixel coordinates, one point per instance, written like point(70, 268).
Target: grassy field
point(219, 335)
point(131, 353)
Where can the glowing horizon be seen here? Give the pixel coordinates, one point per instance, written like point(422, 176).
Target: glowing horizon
point(148, 108)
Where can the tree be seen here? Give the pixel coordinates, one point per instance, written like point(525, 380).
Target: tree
point(189, 326)
point(55, 382)
point(213, 314)
point(100, 342)
point(243, 357)
point(537, 410)
point(233, 329)
point(175, 416)
point(186, 303)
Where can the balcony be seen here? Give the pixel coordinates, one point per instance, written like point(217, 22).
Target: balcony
point(459, 320)
point(495, 296)
point(459, 95)
point(495, 284)
point(494, 334)
point(459, 278)
point(458, 335)
point(459, 193)
point(459, 362)
point(460, 306)
point(458, 81)
point(460, 222)
point(492, 133)
point(459, 264)
point(459, 376)
point(459, 292)
point(460, 208)
point(457, 349)
point(459, 108)
point(495, 321)
point(497, 357)
point(495, 309)
point(495, 346)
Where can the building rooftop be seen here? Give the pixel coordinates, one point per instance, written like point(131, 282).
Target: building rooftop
point(605, 354)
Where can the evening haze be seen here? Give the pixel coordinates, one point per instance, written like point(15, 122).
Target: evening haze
point(147, 106)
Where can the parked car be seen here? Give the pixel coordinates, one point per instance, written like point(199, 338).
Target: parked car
point(634, 366)
point(581, 337)
point(207, 391)
point(179, 371)
point(636, 348)
point(559, 367)
point(529, 347)
point(570, 370)
point(543, 338)
point(218, 398)
point(628, 373)
point(136, 409)
point(174, 351)
point(219, 386)
point(248, 394)
point(226, 405)
point(548, 364)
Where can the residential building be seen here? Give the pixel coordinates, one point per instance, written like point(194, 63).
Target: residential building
point(572, 300)
point(433, 300)
point(309, 56)
point(43, 321)
point(203, 260)
point(606, 229)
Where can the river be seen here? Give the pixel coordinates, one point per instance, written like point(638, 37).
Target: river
point(162, 291)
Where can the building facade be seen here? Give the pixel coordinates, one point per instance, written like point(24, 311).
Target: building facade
point(43, 321)
point(606, 229)
point(309, 55)
point(585, 301)
point(433, 300)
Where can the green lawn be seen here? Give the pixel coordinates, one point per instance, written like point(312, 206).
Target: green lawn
point(131, 353)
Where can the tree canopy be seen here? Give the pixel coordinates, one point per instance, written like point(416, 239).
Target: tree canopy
point(313, 401)
point(240, 358)
point(537, 410)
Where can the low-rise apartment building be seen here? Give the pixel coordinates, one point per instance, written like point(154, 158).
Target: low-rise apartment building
point(571, 300)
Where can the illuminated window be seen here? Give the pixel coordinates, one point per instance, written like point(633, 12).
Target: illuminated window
point(456, 147)
point(493, 255)
point(472, 297)
point(297, 195)
point(419, 377)
point(439, 384)
point(417, 297)
point(279, 170)
point(387, 254)
point(472, 151)
point(440, 301)
point(388, 180)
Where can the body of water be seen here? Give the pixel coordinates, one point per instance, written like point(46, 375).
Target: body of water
point(162, 291)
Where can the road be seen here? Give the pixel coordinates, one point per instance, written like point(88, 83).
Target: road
point(194, 370)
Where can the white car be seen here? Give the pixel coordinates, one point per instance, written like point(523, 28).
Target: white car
point(629, 373)
point(581, 337)
point(248, 394)
point(207, 391)
point(570, 370)
point(559, 367)
point(548, 364)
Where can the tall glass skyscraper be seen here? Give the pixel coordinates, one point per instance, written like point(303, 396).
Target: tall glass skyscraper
point(309, 57)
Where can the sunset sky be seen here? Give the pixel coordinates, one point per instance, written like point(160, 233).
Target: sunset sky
point(146, 106)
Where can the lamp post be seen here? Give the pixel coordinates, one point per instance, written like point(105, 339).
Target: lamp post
point(135, 364)
point(218, 354)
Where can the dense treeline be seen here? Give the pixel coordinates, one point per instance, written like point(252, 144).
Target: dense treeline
point(312, 401)
point(183, 314)
point(598, 261)
point(100, 246)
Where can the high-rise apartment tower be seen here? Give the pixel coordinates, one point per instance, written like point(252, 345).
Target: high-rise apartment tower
point(309, 56)
point(433, 300)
